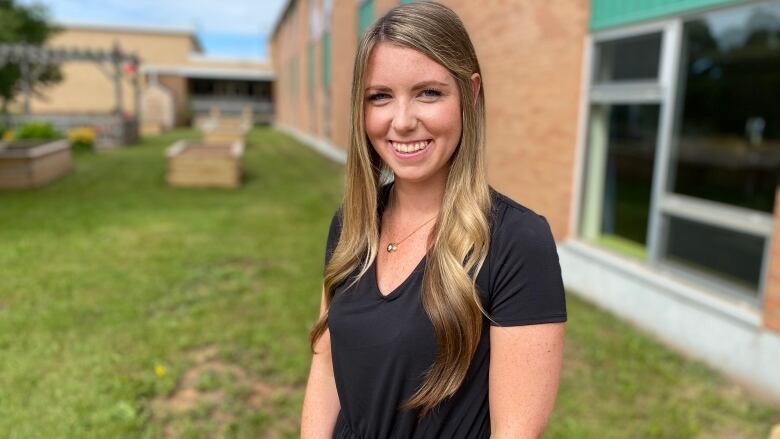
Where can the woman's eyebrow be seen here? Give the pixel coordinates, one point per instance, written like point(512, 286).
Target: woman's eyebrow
point(426, 84)
point(418, 86)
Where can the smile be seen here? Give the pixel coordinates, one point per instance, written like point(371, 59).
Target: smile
point(410, 147)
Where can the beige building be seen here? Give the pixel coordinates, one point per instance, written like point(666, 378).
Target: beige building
point(645, 132)
point(177, 81)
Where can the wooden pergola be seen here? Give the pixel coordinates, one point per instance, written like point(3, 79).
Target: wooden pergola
point(33, 59)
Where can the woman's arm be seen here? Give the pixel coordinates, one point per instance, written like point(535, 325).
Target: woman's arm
point(525, 369)
point(321, 401)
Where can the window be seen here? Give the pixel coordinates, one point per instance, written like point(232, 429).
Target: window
point(310, 67)
point(727, 144)
point(622, 142)
point(326, 60)
point(683, 145)
point(625, 59)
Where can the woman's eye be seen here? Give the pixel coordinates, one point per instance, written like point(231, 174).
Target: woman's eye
point(377, 96)
point(431, 93)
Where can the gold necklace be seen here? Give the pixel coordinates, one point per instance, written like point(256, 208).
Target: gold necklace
point(393, 246)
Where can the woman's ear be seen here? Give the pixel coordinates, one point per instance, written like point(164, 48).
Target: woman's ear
point(476, 83)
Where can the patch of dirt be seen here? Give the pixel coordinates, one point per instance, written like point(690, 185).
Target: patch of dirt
point(223, 390)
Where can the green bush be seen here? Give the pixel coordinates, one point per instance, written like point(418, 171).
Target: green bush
point(37, 130)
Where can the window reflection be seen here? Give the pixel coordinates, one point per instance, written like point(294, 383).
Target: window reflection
point(629, 59)
point(621, 154)
point(719, 253)
point(728, 139)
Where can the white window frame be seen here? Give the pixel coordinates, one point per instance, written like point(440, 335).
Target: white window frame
point(663, 202)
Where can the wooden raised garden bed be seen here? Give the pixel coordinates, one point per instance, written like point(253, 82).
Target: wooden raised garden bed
point(224, 130)
point(29, 164)
point(196, 164)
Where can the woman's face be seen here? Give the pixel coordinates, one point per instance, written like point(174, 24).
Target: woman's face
point(412, 112)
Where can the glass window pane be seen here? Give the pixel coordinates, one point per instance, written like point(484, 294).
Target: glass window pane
point(628, 59)
point(621, 153)
point(727, 147)
point(715, 252)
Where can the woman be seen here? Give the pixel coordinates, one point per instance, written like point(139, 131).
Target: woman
point(443, 310)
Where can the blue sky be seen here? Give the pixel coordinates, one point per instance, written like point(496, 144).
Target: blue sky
point(231, 28)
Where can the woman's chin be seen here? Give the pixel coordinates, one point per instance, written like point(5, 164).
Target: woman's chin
point(411, 175)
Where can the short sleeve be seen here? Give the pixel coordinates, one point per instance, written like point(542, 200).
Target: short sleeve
point(525, 274)
point(333, 236)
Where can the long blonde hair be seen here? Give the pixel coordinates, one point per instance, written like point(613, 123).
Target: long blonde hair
point(460, 235)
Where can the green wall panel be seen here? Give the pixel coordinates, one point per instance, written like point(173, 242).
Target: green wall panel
point(608, 13)
point(326, 60)
point(365, 16)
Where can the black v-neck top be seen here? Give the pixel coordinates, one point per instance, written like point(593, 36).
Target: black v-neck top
point(382, 345)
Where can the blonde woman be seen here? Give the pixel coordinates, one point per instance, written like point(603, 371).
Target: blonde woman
point(443, 308)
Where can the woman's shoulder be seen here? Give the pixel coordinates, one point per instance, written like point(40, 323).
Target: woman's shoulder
point(508, 214)
point(517, 231)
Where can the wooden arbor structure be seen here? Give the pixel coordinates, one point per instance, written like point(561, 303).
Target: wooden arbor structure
point(33, 59)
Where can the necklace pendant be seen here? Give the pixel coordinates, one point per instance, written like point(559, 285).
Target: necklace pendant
point(392, 247)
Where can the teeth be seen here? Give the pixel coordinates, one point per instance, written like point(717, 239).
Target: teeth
point(409, 147)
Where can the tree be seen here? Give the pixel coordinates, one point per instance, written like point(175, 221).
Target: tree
point(30, 25)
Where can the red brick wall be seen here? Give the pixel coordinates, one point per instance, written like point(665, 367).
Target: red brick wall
point(772, 290)
point(531, 58)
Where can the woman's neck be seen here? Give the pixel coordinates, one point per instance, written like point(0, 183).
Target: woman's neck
point(417, 199)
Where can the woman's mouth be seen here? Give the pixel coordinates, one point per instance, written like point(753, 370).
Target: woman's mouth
point(410, 149)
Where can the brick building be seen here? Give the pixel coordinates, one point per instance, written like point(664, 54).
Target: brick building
point(647, 132)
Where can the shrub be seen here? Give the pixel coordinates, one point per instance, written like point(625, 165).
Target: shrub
point(37, 131)
point(82, 138)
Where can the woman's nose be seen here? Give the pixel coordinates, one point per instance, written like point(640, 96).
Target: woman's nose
point(404, 119)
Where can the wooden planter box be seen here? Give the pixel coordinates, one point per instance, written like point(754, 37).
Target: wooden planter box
point(25, 165)
point(221, 130)
point(195, 164)
point(223, 136)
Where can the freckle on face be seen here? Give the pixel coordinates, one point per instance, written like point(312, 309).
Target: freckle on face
point(407, 114)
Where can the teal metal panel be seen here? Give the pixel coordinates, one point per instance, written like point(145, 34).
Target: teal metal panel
point(365, 16)
point(608, 13)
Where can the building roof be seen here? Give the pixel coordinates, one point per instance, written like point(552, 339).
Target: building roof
point(159, 30)
point(190, 71)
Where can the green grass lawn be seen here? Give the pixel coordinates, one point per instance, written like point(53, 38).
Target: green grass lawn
point(130, 309)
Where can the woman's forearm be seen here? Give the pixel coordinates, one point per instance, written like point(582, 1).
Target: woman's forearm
point(321, 402)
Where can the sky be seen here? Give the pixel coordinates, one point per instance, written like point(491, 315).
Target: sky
point(226, 28)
